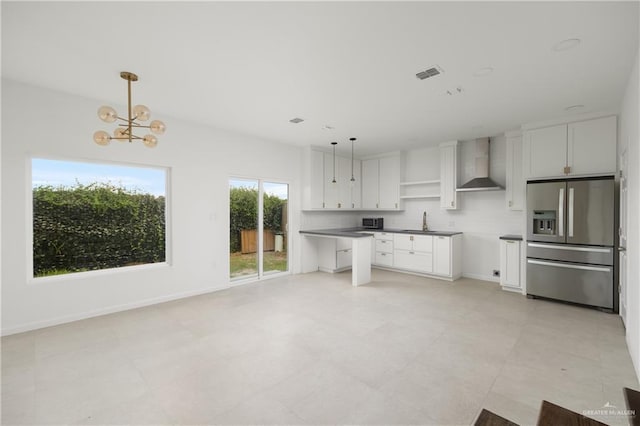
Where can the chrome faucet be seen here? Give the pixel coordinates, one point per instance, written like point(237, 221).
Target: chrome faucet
point(424, 222)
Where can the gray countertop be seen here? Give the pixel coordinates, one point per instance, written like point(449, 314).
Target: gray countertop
point(511, 237)
point(356, 232)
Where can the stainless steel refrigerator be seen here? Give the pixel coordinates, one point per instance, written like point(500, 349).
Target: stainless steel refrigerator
point(571, 241)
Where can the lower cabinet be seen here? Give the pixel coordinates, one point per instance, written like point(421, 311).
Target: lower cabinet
point(442, 264)
point(413, 252)
point(510, 264)
point(383, 249)
point(334, 254)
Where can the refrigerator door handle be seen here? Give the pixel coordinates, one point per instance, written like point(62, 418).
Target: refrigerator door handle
point(561, 212)
point(570, 212)
point(568, 266)
point(559, 247)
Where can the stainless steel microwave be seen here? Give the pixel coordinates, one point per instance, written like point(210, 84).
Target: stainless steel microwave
point(373, 222)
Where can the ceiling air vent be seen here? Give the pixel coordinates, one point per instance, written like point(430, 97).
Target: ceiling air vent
point(296, 120)
point(431, 72)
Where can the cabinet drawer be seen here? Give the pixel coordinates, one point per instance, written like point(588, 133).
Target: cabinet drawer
point(384, 259)
point(385, 246)
point(413, 261)
point(343, 259)
point(382, 236)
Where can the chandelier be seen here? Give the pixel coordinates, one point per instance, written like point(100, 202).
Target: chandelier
point(126, 126)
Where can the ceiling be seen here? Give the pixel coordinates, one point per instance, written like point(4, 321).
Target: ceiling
point(251, 67)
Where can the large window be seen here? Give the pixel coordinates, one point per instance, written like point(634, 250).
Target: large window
point(90, 216)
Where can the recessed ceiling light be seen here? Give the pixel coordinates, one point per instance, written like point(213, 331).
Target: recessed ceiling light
point(454, 91)
point(567, 44)
point(480, 72)
point(296, 120)
point(573, 108)
point(327, 127)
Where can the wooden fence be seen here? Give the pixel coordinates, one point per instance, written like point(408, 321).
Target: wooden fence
point(249, 241)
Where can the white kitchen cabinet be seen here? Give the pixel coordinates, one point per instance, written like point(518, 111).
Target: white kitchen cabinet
point(383, 249)
point(413, 252)
point(331, 189)
point(515, 193)
point(510, 264)
point(591, 146)
point(442, 255)
point(574, 149)
point(438, 256)
point(389, 182)
point(546, 151)
point(448, 175)
point(381, 183)
point(334, 254)
point(319, 190)
point(370, 186)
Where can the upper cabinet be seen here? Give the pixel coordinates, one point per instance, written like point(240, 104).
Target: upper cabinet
point(573, 149)
point(319, 190)
point(515, 180)
point(448, 175)
point(381, 183)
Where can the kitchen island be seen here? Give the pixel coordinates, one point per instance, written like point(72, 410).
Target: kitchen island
point(360, 251)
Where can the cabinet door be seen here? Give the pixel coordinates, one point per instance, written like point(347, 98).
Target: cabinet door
point(344, 182)
point(384, 259)
point(510, 263)
point(442, 255)
point(330, 188)
point(515, 180)
point(317, 180)
point(403, 242)
point(389, 183)
point(592, 146)
point(448, 177)
point(356, 187)
point(423, 243)
point(546, 151)
point(370, 178)
point(385, 246)
point(413, 261)
point(343, 259)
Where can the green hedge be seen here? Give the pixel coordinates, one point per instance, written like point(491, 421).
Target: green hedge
point(95, 226)
point(244, 213)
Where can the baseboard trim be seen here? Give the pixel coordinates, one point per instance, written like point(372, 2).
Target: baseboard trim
point(482, 277)
point(105, 311)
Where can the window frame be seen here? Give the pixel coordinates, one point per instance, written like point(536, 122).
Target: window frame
point(168, 241)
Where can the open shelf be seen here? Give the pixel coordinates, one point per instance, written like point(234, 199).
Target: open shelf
point(420, 182)
point(411, 197)
point(421, 189)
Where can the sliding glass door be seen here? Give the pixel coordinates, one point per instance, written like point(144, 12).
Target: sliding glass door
point(258, 238)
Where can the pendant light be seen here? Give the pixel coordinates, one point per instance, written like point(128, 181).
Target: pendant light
point(334, 161)
point(353, 179)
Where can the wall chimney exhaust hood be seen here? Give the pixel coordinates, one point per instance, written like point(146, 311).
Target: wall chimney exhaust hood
point(481, 180)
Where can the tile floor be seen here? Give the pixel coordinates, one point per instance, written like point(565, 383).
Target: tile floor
point(311, 349)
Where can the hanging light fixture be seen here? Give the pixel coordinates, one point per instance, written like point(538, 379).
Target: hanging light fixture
point(334, 161)
point(353, 179)
point(137, 114)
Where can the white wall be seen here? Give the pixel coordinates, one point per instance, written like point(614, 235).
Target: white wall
point(481, 216)
point(41, 122)
point(629, 139)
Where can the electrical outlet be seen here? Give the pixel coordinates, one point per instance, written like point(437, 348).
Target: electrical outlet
point(496, 273)
point(451, 224)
